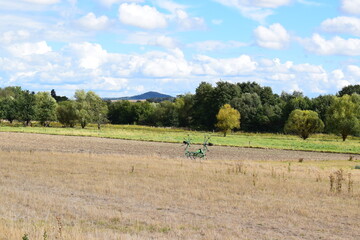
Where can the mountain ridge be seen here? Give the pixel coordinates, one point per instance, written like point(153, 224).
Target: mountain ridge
point(144, 96)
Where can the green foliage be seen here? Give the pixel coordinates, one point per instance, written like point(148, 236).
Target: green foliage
point(58, 98)
point(67, 113)
point(304, 123)
point(228, 118)
point(343, 116)
point(321, 105)
point(90, 108)
point(204, 114)
point(349, 90)
point(45, 108)
point(26, 107)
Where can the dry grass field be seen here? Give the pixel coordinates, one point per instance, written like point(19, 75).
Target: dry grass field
point(88, 195)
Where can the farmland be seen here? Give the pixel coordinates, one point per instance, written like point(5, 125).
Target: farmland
point(65, 187)
point(318, 142)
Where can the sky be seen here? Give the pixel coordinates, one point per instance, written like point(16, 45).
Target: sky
point(127, 47)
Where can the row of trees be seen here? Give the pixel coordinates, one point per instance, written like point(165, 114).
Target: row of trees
point(260, 109)
point(45, 107)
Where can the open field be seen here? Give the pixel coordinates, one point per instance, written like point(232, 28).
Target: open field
point(319, 142)
point(88, 191)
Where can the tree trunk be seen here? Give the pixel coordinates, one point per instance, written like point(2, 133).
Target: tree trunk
point(344, 136)
point(99, 126)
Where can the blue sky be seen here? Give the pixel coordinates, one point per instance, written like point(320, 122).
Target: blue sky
point(122, 48)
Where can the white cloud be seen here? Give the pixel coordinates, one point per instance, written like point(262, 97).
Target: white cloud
point(90, 56)
point(212, 45)
point(188, 23)
point(46, 2)
point(351, 6)
point(347, 25)
point(109, 3)
point(143, 38)
point(14, 36)
point(349, 75)
point(169, 5)
point(90, 21)
point(141, 16)
point(335, 46)
point(217, 21)
point(257, 10)
point(274, 37)
point(25, 49)
point(225, 67)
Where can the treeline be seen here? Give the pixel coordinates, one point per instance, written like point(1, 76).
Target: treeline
point(261, 110)
point(25, 106)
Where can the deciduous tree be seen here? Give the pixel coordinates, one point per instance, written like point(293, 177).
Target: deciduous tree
point(228, 118)
point(45, 108)
point(304, 123)
point(343, 116)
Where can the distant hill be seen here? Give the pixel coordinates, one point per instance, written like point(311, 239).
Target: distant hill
point(145, 96)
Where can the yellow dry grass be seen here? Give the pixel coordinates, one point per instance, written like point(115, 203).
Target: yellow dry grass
point(89, 196)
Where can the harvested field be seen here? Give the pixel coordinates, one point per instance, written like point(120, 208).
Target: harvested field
point(56, 143)
point(55, 187)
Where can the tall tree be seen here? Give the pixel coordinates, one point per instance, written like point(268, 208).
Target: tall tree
point(45, 108)
point(26, 107)
point(204, 115)
point(343, 116)
point(98, 108)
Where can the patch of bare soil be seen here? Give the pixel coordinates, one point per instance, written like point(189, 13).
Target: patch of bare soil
point(56, 143)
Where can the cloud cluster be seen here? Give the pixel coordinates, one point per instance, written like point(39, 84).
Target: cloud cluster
point(146, 17)
point(89, 66)
point(91, 22)
point(342, 25)
point(335, 46)
point(257, 10)
point(274, 37)
point(351, 6)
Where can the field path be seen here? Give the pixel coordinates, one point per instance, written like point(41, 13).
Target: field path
point(56, 143)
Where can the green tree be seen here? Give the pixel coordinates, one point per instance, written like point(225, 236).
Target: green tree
point(67, 113)
point(83, 108)
point(98, 108)
point(120, 112)
point(26, 107)
point(303, 123)
point(204, 115)
point(249, 105)
point(228, 118)
point(8, 108)
point(343, 116)
point(45, 108)
point(58, 98)
point(91, 108)
point(9, 99)
point(349, 90)
point(321, 105)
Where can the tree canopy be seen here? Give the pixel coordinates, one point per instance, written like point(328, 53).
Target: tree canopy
point(304, 123)
point(228, 118)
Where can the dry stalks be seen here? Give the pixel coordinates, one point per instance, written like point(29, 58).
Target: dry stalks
point(78, 196)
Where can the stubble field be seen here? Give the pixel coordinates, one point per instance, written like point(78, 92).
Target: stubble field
point(58, 187)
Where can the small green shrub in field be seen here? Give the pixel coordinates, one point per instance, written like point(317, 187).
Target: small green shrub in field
point(25, 237)
point(357, 167)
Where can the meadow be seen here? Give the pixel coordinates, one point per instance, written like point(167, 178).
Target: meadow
point(50, 195)
point(317, 142)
